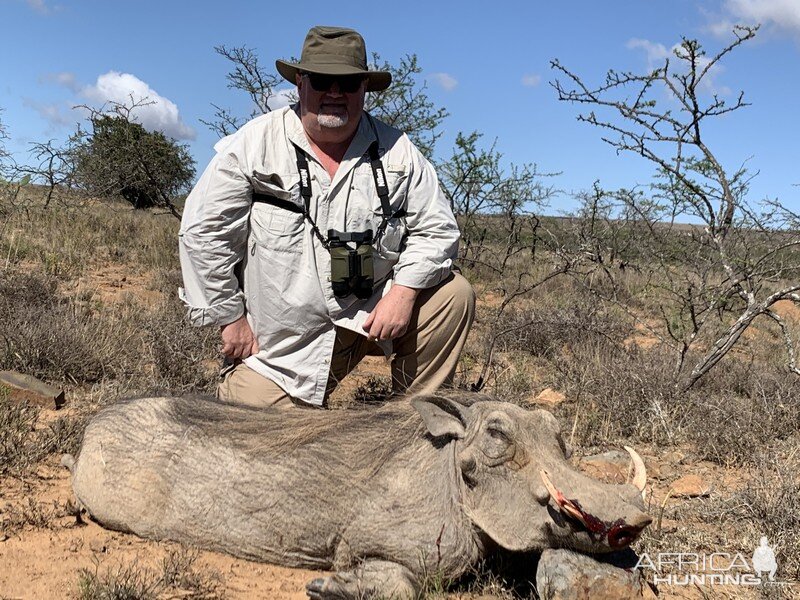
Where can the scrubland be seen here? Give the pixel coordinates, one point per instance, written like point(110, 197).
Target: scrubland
point(88, 302)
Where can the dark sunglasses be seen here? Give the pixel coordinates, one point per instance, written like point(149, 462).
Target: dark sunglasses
point(323, 83)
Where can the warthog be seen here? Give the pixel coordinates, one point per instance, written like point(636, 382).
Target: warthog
point(384, 496)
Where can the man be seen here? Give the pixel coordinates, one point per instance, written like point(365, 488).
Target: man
point(318, 235)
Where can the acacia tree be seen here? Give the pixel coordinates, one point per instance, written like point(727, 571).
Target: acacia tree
point(501, 233)
point(714, 280)
point(120, 157)
point(54, 167)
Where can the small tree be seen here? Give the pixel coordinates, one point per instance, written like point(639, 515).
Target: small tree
point(500, 230)
point(710, 281)
point(120, 157)
point(54, 167)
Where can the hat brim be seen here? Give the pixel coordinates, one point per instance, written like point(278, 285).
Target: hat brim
point(377, 81)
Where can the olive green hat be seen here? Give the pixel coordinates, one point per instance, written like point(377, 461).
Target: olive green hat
point(335, 51)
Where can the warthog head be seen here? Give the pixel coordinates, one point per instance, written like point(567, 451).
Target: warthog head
point(520, 489)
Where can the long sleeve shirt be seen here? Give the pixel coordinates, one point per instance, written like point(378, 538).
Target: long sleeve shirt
point(240, 257)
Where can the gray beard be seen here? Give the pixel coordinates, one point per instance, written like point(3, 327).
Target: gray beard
point(332, 121)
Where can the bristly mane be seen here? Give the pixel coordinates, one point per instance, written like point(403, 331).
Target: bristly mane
point(367, 437)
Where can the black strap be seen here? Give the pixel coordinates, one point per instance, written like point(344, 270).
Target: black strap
point(379, 175)
point(305, 175)
point(279, 202)
point(380, 179)
point(305, 191)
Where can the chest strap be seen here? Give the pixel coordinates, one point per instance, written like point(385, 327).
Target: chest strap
point(378, 174)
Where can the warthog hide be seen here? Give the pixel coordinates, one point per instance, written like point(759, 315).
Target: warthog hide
point(384, 497)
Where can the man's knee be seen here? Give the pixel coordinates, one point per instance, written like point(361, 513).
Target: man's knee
point(456, 299)
point(463, 296)
point(243, 386)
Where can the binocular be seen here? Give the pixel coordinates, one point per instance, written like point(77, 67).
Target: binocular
point(351, 263)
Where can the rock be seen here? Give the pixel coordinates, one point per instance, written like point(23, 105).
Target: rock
point(33, 390)
point(690, 486)
point(567, 575)
point(676, 457)
point(662, 471)
point(612, 466)
point(549, 397)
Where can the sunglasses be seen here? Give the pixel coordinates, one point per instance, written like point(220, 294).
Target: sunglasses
point(323, 83)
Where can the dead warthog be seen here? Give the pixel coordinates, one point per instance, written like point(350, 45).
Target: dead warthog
point(385, 496)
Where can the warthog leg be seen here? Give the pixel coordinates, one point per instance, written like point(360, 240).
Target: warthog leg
point(372, 579)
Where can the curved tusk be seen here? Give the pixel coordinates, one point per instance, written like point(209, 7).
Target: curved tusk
point(551, 489)
point(565, 506)
point(639, 470)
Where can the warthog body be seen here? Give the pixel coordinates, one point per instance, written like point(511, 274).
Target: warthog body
point(382, 496)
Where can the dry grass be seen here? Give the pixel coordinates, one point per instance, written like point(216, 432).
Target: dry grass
point(23, 442)
point(177, 578)
point(57, 327)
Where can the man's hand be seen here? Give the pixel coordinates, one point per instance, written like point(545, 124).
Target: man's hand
point(391, 316)
point(238, 340)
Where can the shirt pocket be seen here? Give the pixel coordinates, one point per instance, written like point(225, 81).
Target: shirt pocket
point(390, 244)
point(275, 227)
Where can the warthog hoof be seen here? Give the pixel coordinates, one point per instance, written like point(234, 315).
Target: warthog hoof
point(373, 579)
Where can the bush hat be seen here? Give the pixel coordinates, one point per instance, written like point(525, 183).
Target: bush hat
point(334, 51)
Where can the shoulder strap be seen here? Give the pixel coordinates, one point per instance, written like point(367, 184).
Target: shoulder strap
point(279, 202)
point(380, 179)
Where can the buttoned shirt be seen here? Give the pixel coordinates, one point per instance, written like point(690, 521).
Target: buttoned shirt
point(240, 257)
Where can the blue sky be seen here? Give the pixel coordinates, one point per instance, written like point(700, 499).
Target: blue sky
point(487, 63)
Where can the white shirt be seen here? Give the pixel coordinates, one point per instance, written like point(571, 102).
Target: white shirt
point(241, 257)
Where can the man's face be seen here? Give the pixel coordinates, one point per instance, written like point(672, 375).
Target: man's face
point(331, 114)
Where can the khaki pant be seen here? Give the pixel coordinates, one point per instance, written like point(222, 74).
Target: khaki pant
point(424, 359)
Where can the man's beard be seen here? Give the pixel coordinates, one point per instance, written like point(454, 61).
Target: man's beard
point(332, 121)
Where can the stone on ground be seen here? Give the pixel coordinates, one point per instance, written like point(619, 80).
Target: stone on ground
point(567, 575)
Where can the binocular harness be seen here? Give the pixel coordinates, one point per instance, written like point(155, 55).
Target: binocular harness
point(351, 252)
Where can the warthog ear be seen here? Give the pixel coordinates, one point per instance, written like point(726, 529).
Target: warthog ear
point(442, 417)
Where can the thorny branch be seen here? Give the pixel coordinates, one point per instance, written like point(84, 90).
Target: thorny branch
point(738, 263)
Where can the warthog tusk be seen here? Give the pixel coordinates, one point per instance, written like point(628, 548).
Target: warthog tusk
point(551, 489)
point(639, 480)
point(564, 505)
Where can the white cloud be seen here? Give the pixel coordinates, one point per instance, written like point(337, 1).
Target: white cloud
point(531, 80)
point(57, 114)
point(445, 81)
point(656, 53)
point(161, 114)
point(64, 79)
point(282, 98)
point(774, 14)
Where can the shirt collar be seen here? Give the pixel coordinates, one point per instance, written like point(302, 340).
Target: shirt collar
point(365, 135)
